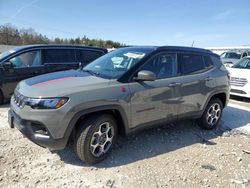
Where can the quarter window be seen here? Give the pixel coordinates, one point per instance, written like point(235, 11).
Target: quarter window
point(87, 56)
point(208, 61)
point(191, 63)
point(28, 59)
point(59, 56)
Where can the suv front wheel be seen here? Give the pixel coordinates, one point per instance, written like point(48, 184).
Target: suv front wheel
point(95, 138)
point(212, 114)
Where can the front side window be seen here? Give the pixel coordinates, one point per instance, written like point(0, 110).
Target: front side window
point(191, 63)
point(163, 65)
point(116, 63)
point(28, 59)
point(59, 56)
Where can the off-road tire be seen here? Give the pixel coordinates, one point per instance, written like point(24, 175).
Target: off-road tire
point(203, 122)
point(85, 134)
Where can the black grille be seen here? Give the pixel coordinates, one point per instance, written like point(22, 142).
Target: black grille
point(19, 99)
point(238, 91)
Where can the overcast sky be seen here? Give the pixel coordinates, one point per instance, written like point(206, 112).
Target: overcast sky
point(142, 22)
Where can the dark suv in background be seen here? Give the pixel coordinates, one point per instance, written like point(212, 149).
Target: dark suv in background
point(27, 61)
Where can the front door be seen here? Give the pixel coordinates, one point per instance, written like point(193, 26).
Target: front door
point(25, 65)
point(155, 101)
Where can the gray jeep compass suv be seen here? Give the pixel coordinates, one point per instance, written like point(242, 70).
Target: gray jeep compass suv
point(121, 92)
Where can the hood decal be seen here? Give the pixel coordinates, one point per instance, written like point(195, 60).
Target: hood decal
point(54, 81)
point(55, 77)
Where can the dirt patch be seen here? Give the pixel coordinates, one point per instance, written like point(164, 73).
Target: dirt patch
point(176, 155)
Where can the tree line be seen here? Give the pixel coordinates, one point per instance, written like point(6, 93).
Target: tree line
point(11, 35)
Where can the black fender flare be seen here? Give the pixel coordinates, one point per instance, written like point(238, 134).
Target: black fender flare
point(212, 95)
point(84, 112)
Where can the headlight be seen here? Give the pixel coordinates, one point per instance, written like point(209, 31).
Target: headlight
point(53, 103)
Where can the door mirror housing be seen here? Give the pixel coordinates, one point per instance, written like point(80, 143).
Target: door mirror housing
point(8, 66)
point(145, 75)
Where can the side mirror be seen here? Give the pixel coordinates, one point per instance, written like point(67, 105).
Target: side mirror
point(8, 65)
point(145, 76)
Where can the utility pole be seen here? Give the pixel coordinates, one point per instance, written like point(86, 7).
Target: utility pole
point(193, 43)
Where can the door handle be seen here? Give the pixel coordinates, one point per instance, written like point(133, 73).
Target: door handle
point(208, 78)
point(174, 84)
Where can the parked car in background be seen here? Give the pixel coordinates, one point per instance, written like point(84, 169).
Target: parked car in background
point(240, 78)
point(121, 92)
point(27, 61)
point(232, 57)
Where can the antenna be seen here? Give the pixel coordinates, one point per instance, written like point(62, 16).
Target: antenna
point(193, 43)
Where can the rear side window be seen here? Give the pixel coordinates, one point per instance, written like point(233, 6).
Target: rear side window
point(208, 62)
point(59, 56)
point(87, 56)
point(192, 63)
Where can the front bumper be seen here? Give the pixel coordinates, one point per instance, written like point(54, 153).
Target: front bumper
point(240, 91)
point(28, 128)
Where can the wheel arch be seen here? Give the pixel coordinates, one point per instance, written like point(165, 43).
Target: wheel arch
point(115, 110)
point(222, 95)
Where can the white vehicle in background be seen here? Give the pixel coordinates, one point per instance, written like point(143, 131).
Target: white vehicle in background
point(240, 78)
point(230, 58)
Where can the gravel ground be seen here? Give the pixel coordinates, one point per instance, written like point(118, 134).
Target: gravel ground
point(176, 155)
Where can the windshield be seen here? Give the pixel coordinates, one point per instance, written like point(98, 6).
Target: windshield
point(6, 53)
point(116, 63)
point(243, 64)
point(230, 55)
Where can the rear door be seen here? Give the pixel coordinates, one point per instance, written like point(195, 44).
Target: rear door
point(197, 83)
point(25, 65)
point(59, 59)
point(155, 101)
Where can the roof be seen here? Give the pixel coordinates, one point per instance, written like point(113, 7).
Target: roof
point(54, 45)
point(184, 48)
point(177, 48)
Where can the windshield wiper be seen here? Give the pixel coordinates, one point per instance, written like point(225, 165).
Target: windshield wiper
point(91, 72)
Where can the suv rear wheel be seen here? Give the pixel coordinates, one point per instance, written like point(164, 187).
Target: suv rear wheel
point(211, 115)
point(95, 139)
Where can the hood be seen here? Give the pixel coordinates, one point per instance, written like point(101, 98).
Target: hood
point(59, 84)
point(229, 60)
point(239, 73)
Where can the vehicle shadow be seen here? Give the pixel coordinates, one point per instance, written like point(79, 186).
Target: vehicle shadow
point(161, 140)
point(149, 143)
point(240, 99)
